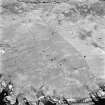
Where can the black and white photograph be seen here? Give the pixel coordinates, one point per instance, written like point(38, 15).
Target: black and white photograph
point(52, 52)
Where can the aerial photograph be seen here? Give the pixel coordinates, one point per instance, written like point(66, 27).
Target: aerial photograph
point(52, 52)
